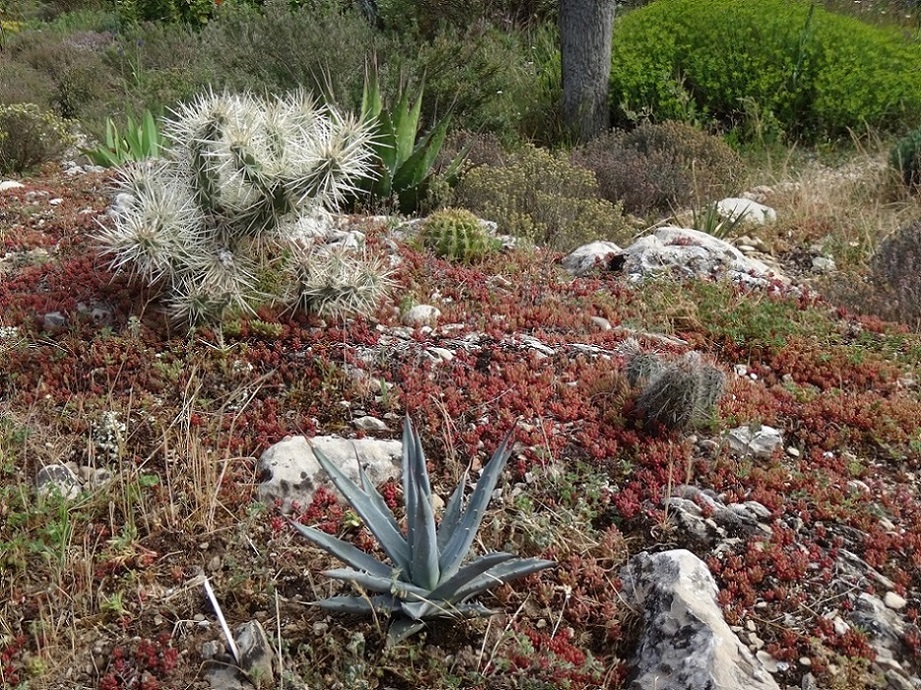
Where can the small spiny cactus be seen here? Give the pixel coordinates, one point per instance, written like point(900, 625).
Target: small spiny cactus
point(457, 235)
point(675, 396)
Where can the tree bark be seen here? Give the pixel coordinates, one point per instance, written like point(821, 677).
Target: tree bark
point(586, 29)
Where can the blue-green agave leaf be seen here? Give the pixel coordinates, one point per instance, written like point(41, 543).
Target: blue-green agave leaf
point(447, 589)
point(381, 526)
point(459, 542)
point(380, 604)
point(368, 486)
point(381, 585)
point(342, 550)
point(401, 628)
point(421, 534)
point(453, 512)
point(499, 575)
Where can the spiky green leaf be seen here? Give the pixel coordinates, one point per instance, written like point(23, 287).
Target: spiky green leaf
point(342, 550)
point(499, 575)
point(343, 604)
point(402, 628)
point(373, 583)
point(381, 526)
point(417, 490)
point(368, 486)
point(462, 537)
point(453, 511)
point(448, 589)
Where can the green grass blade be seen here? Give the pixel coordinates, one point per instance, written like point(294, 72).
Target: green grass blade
point(459, 543)
point(381, 526)
point(151, 136)
point(342, 550)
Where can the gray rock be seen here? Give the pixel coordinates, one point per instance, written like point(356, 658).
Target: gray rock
point(694, 254)
point(256, 669)
point(7, 185)
point(756, 441)
point(894, 601)
point(293, 473)
point(686, 643)
point(823, 264)
point(421, 315)
point(583, 259)
point(368, 423)
point(53, 320)
point(600, 323)
point(754, 212)
point(58, 479)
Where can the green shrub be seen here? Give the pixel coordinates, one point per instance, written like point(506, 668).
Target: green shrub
point(21, 83)
point(457, 235)
point(544, 198)
point(277, 49)
point(812, 72)
point(30, 136)
point(905, 158)
point(661, 167)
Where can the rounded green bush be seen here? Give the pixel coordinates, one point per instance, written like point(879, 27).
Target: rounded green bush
point(789, 64)
point(905, 158)
point(30, 136)
point(457, 235)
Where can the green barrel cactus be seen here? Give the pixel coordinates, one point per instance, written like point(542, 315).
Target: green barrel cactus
point(457, 235)
point(241, 202)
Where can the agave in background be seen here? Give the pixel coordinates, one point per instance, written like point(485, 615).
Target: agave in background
point(427, 577)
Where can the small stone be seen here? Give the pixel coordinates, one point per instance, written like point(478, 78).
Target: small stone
point(823, 264)
point(601, 323)
point(421, 315)
point(369, 423)
point(199, 618)
point(211, 649)
point(53, 320)
point(59, 479)
point(441, 354)
point(805, 661)
point(214, 564)
point(6, 185)
point(894, 601)
point(793, 451)
point(56, 202)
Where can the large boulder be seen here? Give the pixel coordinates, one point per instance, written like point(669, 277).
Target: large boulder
point(686, 644)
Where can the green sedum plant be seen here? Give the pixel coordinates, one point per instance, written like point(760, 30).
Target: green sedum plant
point(140, 141)
point(427, 577)
point(30, 136)
point(237, 214)
point(457, 235)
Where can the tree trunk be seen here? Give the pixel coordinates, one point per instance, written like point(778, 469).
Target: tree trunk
point(586, 28)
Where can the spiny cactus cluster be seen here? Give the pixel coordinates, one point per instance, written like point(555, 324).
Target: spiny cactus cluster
point(457, 235)
point(676, 395)
point(237, 215)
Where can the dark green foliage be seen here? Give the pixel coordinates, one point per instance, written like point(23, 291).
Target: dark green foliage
point(786, 64)
point(905, 158)
point(661, 167)
point(457, 235)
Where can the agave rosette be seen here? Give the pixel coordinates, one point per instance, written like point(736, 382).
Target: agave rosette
point(427, 577)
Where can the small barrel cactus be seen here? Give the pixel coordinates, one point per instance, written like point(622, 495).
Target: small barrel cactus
point(457, 235)
point(905, 158)
point(241, 200)
point(675, 396)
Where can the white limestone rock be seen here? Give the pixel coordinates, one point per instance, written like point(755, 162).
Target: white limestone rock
point(583, 259)
point(292, 472)
point(421, 315)
point(754, 212)
point(686, 642)
point(756, 441)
